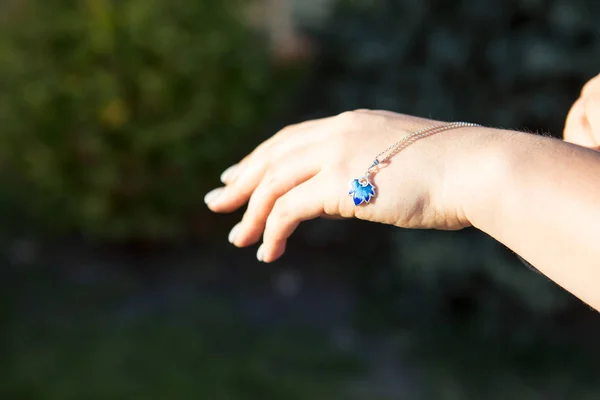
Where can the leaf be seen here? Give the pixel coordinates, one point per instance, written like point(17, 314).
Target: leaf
point(361, 192)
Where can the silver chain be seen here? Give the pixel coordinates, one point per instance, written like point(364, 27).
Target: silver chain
point(413, 137)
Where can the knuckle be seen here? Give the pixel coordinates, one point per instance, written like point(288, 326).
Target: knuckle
point(285, 130)
point(261, 162)
point(332, 207)
point(272, 180)
point(348, 118)
point(255, 162)
point(265, 149)
point(281, 210)
point(261, 148)
point(262, 195)
point(344, 140)
point(258, 198)
point(269, 187)
point(288, 130)
point(336, 166)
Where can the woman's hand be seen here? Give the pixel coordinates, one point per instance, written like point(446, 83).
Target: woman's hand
point(303, 172)
point(537, 195)
point(583, 122)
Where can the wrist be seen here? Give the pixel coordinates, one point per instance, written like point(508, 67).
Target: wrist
point(487, 164)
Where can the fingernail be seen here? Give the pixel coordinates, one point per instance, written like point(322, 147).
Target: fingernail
point(212, 195)
point(233, 233)
point(260, 254)
point(228, 174)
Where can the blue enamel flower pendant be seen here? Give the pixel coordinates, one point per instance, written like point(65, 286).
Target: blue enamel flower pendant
point(361, 190)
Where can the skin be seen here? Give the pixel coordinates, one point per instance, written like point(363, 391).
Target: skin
point(537, 195)
point(583, 122)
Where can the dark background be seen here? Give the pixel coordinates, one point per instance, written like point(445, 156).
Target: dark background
point(116, 117)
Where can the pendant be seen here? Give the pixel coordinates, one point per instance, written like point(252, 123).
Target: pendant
point(361, 190)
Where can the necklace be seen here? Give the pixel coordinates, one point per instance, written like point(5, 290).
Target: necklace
point(362, 190)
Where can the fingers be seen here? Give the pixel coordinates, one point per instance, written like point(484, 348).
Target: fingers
point(242, 179)
point(277, 181)
point(302, 203)
point(277, 141)
point(233, 196)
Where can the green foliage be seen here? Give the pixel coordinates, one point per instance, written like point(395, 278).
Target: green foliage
point(114, 112)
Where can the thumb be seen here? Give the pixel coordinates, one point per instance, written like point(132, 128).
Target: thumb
point(577, 128)
point(592, 114)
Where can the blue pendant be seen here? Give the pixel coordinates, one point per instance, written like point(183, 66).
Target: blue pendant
point(361, 190)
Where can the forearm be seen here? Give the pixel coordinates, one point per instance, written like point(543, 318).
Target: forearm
point(541, 198)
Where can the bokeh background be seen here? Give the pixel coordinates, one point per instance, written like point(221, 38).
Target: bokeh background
point(116, 117)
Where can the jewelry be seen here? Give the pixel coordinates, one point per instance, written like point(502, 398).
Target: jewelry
point(362, 190)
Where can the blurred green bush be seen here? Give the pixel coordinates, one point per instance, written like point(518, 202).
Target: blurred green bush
point(115, 112)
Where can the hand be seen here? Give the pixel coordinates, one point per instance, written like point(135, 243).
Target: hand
point(303, 172)
point(583, 122)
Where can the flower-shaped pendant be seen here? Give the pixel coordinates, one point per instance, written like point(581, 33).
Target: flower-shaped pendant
point(361, 190)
